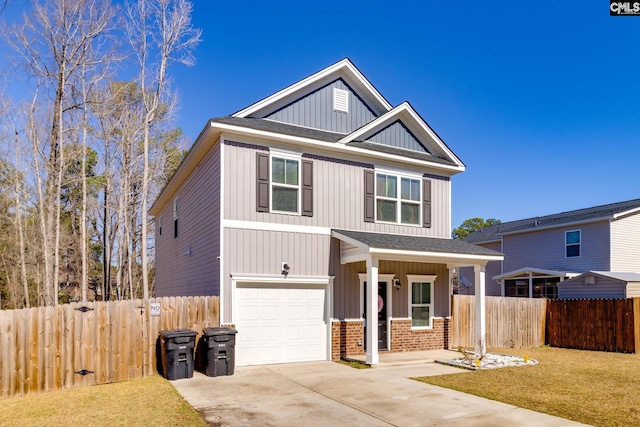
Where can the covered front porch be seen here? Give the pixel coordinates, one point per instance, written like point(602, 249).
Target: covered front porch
point(414, 321)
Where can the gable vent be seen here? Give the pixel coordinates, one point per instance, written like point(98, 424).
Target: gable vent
point(589, 280)
point(340, 100)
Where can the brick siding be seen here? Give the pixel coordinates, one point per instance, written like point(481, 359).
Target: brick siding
point(347, 337)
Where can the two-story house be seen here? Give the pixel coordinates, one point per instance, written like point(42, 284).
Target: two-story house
point(314, 213)
point(597, 248)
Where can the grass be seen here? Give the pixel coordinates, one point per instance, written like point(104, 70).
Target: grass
point(150, 401)
point(597, 388)
point(354, 364)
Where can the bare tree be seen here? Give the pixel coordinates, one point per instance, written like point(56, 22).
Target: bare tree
point(56, 41)
point(160, 33)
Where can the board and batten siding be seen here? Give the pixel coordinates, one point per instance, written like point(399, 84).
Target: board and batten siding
point(338, 195)
point(625, 244)
point(188, 265)
point(346, 285)
point(546, 249)
point(397, 135)
point(316, 111)
point(263, 252)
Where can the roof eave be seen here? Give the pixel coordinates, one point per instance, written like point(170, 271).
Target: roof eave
point(334, 147)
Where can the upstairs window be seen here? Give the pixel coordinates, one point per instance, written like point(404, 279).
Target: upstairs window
point(285, 184)
point(572, 243)
point(398, 199)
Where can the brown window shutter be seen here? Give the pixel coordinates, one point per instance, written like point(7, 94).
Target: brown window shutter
point(307, 188)
point(426, 203)
point(369, 196)
point(262, 184)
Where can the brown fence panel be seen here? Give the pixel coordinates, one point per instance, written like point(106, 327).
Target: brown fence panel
point(511, 322)
point(592, 324)
point(77, 344)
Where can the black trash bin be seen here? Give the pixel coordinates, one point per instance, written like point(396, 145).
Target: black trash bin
point(177, 353)
point(220, 344)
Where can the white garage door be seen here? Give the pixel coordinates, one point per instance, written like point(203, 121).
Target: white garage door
point(280, 323)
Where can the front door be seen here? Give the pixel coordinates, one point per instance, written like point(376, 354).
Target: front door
point(382, 315)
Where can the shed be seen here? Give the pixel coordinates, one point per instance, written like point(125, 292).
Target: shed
point(600, 284)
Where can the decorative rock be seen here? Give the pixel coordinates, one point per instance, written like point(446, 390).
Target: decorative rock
point(489, 361)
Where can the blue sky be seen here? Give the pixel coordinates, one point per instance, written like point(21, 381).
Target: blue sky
point(540, 100)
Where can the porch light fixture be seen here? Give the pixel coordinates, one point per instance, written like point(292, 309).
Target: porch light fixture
point(398, 284)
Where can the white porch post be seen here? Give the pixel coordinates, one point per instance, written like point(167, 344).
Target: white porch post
point(372, 311)
point(481, 321)
point(530, 285)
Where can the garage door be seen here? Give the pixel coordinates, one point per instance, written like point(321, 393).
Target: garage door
point(280, 323)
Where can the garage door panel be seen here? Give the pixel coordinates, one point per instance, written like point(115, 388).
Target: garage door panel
point(280, 323)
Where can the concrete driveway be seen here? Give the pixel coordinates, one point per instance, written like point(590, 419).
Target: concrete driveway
point(330, 394)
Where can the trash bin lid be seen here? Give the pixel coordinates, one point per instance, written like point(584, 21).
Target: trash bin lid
point(219, 330)
point(177, 333)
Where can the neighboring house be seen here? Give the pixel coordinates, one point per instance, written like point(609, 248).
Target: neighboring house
point(313, 213)
point(600, 284)
point(541, 252)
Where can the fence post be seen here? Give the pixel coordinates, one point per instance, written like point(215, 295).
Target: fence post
point(636, 324)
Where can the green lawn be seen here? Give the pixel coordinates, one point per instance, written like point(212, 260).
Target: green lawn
point(597, 388)
point(150, 401)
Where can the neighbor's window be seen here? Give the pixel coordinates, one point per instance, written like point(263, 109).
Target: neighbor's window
point(175, 218)
point(572, 242)
point(397, 199)
point(285, 184)
point(421, 300)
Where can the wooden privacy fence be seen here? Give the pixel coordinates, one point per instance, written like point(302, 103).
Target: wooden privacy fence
point(70, 345)
point(511, 322)
point(594, 324)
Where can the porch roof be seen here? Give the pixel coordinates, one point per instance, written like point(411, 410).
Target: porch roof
point(534, 272)
point(361, 244)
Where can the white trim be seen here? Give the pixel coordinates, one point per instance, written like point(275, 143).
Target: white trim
point(421, 278)
point(382, 278)
point(279, 279)
point(625, 213)
point(444, 255)
point(330, 146)
point(579, 244)
point(221, 252)
point(387, 117)
point(344, 66)
point(275, 280)
point(398, 200)
point(272, 226)
point(275, 154)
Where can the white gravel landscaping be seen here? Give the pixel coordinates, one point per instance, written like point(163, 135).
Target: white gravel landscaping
point(489, 361)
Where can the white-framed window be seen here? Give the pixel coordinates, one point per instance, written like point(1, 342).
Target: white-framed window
point(421, 300)
point(285, 184)
point(572, 241)
point(398, 198)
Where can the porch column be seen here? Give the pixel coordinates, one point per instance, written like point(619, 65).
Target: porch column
point(530, 285)
point(481, 321)
point(372, 311)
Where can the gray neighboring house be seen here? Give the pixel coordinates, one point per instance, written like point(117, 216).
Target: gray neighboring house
point(541, 252)
point(600, 284)
point(313, 213)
